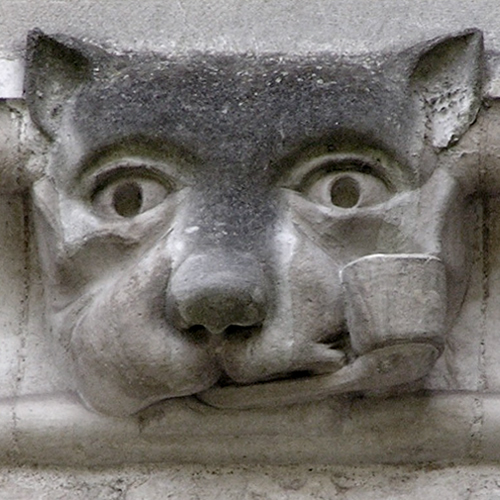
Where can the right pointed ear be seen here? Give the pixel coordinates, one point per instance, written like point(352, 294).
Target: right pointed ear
point(447, 82)
point(55, 67)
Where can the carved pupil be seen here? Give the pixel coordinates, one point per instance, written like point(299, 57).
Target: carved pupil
point(127, 199)
point(345, 192)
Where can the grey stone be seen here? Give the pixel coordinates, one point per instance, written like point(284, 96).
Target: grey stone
point(447, 211)
point(196, 212)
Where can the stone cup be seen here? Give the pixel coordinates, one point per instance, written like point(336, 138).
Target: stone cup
point(394, 299)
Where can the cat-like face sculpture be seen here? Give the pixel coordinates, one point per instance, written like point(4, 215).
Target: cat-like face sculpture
point(197, 212)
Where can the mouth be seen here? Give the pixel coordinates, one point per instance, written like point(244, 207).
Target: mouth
point(327, 354)
point(379, 369)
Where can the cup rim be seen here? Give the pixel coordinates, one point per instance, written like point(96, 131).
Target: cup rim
point(392, 256)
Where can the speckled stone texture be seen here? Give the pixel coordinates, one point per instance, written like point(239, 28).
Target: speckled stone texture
point(460, 424)
point(253, 483)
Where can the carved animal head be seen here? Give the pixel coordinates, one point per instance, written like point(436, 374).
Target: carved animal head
point(196, 212)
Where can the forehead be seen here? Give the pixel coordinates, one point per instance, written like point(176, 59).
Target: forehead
point(240, 108)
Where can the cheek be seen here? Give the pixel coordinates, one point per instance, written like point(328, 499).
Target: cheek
point(316, 302)
point(125, 337)
point(306, 324)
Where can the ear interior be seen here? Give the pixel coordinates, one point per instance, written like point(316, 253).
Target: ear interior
point(447, 81)
point(55, 68)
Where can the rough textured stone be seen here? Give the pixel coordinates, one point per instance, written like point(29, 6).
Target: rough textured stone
point(49, 427)
point(262, 26)
point(195, 215)
point(253, 483)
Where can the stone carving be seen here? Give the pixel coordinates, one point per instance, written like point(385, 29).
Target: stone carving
point(252, 230)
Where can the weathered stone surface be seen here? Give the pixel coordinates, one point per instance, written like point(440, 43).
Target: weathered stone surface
point(258, 26)
point(39, 421)
point(196, 213)
point(52, 427)
point(474, 482)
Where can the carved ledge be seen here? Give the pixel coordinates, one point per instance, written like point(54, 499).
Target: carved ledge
point(56, 429)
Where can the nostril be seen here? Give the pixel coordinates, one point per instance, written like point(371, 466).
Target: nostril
point(219, 309)
point(198, 334)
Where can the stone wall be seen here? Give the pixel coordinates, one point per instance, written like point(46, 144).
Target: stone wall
point(440, 442)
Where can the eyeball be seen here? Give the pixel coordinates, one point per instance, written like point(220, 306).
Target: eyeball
point(129, 196)
point(347, 189)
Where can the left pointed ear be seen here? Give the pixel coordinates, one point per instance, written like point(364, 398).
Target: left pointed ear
point(447, 83)
point(56, 66)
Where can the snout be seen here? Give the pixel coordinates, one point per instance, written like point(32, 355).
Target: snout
point(254, 325)
point(218, 290)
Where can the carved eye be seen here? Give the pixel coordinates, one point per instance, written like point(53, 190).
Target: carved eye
point(345, 183)
point(348, 190)
point(129, 196)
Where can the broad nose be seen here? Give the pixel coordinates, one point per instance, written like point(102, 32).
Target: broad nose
point(216, 291)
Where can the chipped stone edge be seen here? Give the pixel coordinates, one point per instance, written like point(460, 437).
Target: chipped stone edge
point(11, 78)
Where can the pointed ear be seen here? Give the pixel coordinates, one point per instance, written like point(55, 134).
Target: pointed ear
point(55, 67)
point(446, 81)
